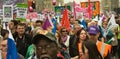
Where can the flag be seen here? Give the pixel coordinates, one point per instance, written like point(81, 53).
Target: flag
point(74, 5)
point(11, 51)
point(89, 9)
point(47, 23)
point(112, 23)
point(83, 23)
point(102, 18)
point(54, 23)
point(65, 21)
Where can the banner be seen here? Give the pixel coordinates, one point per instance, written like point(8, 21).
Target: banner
point(79, 11)
point(21, 12)
point(33, 16)
point(95, 7)
point(7, 13)
point(60, 9)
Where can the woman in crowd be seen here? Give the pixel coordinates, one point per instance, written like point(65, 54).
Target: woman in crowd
point(64, 36)
point(77, 46)
point(90, 51)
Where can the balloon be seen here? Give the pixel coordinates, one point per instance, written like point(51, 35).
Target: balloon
point(30, 9)
point(54, 2)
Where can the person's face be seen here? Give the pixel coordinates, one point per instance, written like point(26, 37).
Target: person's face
point(11, 25)
point(76, 28)
point(87, 20)
point(20, 29)
point(3, 46)
point(46, 49)
point(38, 25)
point(104, 25)
point(72, 20)
point(93, 23)
point(83, 35)
point(85, 55)
point(64, 32)
point(76, 22)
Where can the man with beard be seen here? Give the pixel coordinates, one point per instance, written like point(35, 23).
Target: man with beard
point(46, 47)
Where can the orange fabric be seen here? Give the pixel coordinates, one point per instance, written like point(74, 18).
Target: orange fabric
point(99, 46)
point(79, 46)
point(107, 48)
point(4, 55)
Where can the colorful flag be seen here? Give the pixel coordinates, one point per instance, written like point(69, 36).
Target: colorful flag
point(112, 23)
point(54, 23)
point(11, 51)
point(47, 23)
point(65, 20)
point(84, 23)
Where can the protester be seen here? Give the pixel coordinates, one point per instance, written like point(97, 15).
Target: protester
point(46, 47)
point(81, 37)
point(4, 44)
point(90, 51)
point(77, 44)
point(3, 47)
point(65, 37)
point(38, 23)
point(31, 48)
point(93, 34)
point(118, 36)
point(22, 39)
point(73, 39)
point(4, 33)
point(12, 26)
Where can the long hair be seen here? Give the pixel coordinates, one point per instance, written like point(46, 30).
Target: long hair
point(78, 34)
point(92, 49)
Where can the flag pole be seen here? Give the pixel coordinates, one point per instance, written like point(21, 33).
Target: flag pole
point(74, 9)
point(89, 10)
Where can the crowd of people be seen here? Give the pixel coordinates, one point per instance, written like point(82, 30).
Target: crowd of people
point(89, 41)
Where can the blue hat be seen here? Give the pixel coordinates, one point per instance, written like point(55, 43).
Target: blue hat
point(93, 30)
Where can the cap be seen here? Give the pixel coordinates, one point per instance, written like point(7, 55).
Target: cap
point(48, 36)
point(93, 30)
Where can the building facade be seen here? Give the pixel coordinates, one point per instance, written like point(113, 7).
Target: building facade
point(46, 4)
point(109, 5)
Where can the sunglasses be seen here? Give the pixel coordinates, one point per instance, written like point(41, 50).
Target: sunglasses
point(64, 31)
